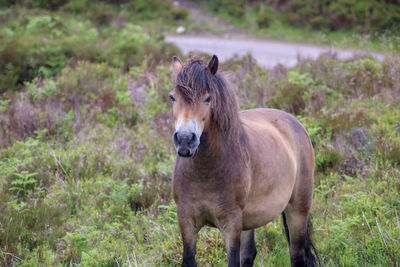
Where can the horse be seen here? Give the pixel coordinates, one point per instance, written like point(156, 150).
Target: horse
point(237, 170)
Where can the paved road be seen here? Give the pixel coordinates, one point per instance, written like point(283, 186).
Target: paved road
point(267, 53)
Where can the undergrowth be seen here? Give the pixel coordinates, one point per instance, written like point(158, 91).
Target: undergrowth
point(364, 25)
point(86, 154)
point(37, 42)
point(86, 163)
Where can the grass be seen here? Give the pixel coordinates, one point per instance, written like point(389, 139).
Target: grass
point(91, 186)
point(86, 157)
point(39, 42)
point(276, 27)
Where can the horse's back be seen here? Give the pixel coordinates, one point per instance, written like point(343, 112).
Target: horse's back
point(264, 123)
point(282, 162)
point(282, 121)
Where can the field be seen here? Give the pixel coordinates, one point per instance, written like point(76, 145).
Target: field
point(86, 152)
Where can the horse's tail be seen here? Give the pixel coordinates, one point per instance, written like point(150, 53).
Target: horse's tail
point(286, 227)
point(312, 257)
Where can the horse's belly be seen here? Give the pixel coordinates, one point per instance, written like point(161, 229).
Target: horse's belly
point(274, 168)
point(268, 198)
point(269, 194)
point(264, 211)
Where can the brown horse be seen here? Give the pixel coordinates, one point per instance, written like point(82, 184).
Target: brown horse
point(237, 170)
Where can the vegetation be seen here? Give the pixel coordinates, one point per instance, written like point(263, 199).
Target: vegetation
point(364, 16)
point(372, 25)
point(38, 42)
point(86, 154)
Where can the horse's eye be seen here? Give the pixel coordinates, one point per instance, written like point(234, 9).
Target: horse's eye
point(207, 100)
point(171, 96)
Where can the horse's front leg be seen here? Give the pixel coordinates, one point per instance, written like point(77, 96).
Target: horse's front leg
point(232, 232)
point(189, 238)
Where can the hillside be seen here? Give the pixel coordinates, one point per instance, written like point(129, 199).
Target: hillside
point(355, 24)
point(86, 151)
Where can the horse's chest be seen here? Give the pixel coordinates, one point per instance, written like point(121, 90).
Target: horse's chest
point(210, 210)
point(207, 202)
point(206, 199)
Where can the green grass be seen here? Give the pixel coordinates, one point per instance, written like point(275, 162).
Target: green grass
point(275, 28)
point(86, 155)
point(383, 43)
point(91, 186)
point(40, 42)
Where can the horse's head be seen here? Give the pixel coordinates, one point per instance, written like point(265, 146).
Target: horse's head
point(192, 101)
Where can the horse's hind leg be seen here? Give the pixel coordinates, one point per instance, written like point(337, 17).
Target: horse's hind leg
point(302, 251)
point(248, 248)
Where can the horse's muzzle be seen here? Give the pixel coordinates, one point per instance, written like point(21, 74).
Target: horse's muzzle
point(186, 143)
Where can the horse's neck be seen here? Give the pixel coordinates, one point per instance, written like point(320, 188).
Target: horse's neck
point(211, 149)
point(216, 152)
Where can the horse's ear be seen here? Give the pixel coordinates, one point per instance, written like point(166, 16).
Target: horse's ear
point(212, 66)
point(176, 65)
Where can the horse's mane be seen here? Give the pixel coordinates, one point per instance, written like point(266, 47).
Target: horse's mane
point(195, 80)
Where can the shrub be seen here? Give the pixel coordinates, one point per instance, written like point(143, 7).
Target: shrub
point(358, 16)
point(86, 153)
point(41, 43)
point(156, 9)
point(365, 16)
point(326, 158)
point(233, 8)
point(263, 20)
point(48, 4)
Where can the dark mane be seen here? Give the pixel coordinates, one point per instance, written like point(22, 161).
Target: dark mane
point(195, 80)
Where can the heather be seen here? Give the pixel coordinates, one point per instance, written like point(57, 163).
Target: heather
point(349, 23)
point(37, 39)
point(86, 153)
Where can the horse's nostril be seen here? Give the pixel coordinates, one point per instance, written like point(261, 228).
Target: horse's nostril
point(184, 138)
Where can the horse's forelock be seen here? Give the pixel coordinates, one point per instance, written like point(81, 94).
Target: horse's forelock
point(192, 80)
point(195, 80)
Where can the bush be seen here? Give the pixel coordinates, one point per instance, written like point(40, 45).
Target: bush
point(367, 17)
point(263, 20)
point(86, 153)
point(47, 4)
point(40, 43)
point(233, 8)
point(363, 16)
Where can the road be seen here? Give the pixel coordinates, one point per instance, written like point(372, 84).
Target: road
point(267, 53)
